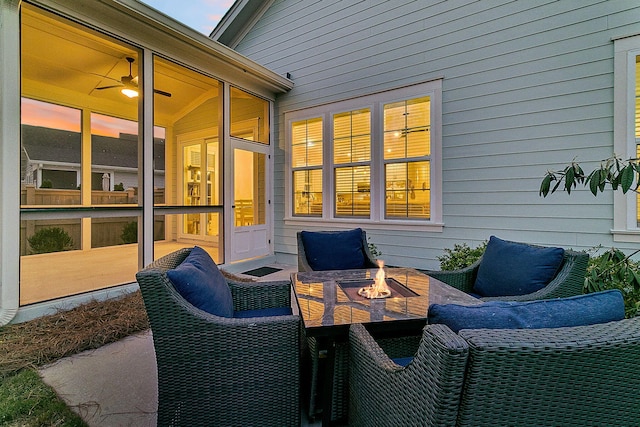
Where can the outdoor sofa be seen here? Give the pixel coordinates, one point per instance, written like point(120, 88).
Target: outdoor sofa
point(239, 368)
point(578, 376)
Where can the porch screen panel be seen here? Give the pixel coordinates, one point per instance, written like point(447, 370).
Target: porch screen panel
point(407, 157)
point(86, 144)
point(249, 116)
point(306, 164)
point(352, 160)
point(187, 159)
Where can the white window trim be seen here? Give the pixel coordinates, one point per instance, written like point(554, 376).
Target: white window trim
point(625, 228)
point(375, 102)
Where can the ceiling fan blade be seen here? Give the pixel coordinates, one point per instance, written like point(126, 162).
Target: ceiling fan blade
point(108, 87)
point(105, 77)
point(163, 93)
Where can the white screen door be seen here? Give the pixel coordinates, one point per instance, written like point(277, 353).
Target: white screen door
point(250, 233)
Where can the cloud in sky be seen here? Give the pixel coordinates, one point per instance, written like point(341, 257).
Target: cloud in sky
point(201, 15)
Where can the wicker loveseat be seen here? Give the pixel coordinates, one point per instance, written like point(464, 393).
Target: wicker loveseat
point(222, 371)
point(567, 281)
point(569, 376)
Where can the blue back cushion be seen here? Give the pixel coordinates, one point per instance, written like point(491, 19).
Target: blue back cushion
point(334, 250)
point(510, 268)
point(200, 282)
point(589, 309)
point(263, 312)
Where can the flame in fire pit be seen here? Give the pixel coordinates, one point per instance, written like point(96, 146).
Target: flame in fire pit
point(379, 288)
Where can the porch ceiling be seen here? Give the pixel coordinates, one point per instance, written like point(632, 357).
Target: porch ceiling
point(66, 62)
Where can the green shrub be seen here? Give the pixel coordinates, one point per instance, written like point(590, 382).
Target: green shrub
point(46, 184)
point(615, 270)
point(373, 249)
point(53, 239)
point(118, 187)
point(461, 256)
point(130, 232)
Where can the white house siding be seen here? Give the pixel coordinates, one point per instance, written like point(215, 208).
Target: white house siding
point(527, 86)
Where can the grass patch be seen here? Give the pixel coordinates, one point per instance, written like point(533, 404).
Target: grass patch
point(26, 401)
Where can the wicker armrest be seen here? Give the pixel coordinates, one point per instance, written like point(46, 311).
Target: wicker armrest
point(259, 295)
point(462, 279)
point(427, 391)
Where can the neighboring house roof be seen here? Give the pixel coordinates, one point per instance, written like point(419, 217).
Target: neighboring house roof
point(42, 144)
point(239, 20)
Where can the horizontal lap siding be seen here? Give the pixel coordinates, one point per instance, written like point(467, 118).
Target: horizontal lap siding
point(528, 86)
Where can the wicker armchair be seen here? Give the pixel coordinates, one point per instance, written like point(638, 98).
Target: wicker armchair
point(578, 376)
point(568, 281)
point(315, 352)
point(222, 371)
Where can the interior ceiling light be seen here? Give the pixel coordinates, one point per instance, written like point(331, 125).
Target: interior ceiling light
point(131, 93)
point(130, 83)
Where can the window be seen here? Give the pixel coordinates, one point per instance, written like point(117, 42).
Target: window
point(407, 151)
point(352, 160)
point(626, 132)
point(306, 162)
point(374, 158)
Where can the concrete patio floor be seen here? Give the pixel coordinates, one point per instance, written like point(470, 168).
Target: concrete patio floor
point(116, 385)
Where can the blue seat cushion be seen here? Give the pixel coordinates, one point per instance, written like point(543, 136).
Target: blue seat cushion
point(334, 250)
point(200, 282)
point(403, 361)
point(263, 312)
point(510, 268)
point(581, 310)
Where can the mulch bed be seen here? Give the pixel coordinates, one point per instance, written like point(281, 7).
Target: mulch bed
point(44, 340)
point(89, 326)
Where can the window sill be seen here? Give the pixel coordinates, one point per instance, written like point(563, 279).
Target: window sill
point(626, 236)
point(368, 224)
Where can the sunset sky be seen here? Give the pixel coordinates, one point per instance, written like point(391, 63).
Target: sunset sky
point(201, 15)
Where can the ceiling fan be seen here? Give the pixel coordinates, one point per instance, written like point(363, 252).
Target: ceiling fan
point(129, 84)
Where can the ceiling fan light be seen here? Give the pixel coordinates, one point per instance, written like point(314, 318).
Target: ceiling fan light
point(131, 93)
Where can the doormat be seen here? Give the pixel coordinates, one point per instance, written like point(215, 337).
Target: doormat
point(262, 271)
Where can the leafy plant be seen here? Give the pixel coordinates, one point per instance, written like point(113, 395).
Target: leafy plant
point(118, 187)
point(130, 233)
point(374, 250)
point(614, 172)
point(461, 256)
point(52, 239)
point(615, 270)
point(46, 184)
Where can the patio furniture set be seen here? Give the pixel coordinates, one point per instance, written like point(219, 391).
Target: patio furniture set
point(507, 341)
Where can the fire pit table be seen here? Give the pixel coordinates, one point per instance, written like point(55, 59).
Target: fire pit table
point(330, 301)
